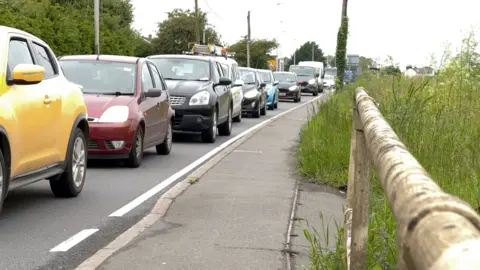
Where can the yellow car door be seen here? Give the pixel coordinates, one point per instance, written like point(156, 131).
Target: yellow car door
point(52, 86)
point(29, 151)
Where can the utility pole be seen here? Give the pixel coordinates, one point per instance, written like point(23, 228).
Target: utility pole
point(204, 36)
point(197, 22)
point(248, 39)
point(295, 57)
point(344, 8)
point(96, 15)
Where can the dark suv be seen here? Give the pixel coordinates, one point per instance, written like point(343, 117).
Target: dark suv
point(199, 94)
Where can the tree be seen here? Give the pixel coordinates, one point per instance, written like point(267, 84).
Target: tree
point(67, 25)
point(365, 63)
point(177, 32)
point(304, 53)
point(331, 60)
point(259, 52)
point(144, 46)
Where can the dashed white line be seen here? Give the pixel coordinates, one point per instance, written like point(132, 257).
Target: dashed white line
point(74, 240)
point(247, 151)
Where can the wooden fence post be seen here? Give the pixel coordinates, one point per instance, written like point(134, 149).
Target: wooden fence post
point(350, 191)
point(361, 204)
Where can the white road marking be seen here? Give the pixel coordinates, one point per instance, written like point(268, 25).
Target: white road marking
point(170, 180)
point(247, 151)
point(72, 241)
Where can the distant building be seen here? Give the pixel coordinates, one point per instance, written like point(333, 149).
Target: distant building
point(353, 61)
point(410, 72)
point(425, 71)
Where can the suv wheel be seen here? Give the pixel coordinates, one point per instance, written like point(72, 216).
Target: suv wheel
point(210, 134)
point(225, 129)
point(166, 146)
point(70, 182)
point(135, 157)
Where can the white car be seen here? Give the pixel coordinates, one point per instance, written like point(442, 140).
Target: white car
point(230, 70)
point(329, 82)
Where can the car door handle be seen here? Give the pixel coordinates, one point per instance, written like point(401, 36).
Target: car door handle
point(47, 100)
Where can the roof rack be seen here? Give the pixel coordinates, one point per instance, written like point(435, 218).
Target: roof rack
point(209, 50)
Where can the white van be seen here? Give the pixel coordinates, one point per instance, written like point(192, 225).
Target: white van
point(319, 68)
point(230, 70)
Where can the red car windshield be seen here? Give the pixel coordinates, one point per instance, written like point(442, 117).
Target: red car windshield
point(101, 77)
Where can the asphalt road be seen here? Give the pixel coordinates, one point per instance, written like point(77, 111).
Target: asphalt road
point(33, 221)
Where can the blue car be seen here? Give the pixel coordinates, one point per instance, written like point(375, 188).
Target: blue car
point(271, 88)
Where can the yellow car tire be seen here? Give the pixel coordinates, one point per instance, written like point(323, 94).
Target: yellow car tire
point(4, 179)
point(69, 184)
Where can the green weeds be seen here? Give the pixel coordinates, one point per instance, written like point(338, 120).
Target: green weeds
point(437, 118)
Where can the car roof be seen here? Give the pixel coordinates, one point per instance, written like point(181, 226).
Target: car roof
point(181, 56)
point(102, 57)
point(227, 60)
point(264, 70)
point(284, 72)
point(4, 30)
point(247, 68)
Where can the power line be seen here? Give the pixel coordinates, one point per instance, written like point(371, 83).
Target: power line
point(211, 10)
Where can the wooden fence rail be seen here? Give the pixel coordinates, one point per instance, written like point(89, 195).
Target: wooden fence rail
point(435, 230)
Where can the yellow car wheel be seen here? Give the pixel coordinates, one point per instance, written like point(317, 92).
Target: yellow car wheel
point(70, 182)
point(3, 180)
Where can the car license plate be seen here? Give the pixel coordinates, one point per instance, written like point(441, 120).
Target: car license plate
point(283, 94)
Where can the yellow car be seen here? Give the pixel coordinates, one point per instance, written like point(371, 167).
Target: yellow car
point(43, 118)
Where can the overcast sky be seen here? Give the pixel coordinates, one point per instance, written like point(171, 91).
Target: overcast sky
point(409, 30)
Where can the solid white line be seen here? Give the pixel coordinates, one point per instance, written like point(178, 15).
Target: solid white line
point(156, 189)
point(72, 241)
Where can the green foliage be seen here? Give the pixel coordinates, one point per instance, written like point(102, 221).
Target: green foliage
point(67, 25)
point(177, 33)
point(365, 63)
point(304, 53)
point(437, 120)
point(331, 60)
point(259, 52)
point(391, 70)
point(341, 52)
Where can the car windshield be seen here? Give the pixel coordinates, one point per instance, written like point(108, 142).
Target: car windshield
point(265, 76)
point(284, 77)
point(329, 77)
point(101, 77)
point(248, 76)
point(302, 70)
point(183, 69)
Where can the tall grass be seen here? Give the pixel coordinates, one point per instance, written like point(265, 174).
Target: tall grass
point(437, 118)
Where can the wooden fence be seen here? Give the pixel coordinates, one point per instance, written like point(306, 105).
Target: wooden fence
point(435, 230)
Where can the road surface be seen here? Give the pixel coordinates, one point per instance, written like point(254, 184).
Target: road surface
point(39, 231)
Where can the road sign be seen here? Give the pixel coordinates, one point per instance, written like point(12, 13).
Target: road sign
point(272, 63)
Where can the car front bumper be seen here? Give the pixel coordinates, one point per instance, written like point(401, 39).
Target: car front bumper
point(192, 118)
point(250, 105)
point(287, 95)
point(103, 135)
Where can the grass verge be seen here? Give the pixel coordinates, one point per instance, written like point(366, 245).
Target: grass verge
point(437, 118)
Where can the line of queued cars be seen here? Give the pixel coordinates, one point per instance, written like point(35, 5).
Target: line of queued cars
point(57, 113)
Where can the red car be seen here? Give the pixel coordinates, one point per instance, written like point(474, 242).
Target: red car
point(127, 102)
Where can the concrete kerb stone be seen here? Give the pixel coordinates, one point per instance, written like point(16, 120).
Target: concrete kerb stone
point(163, 204)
